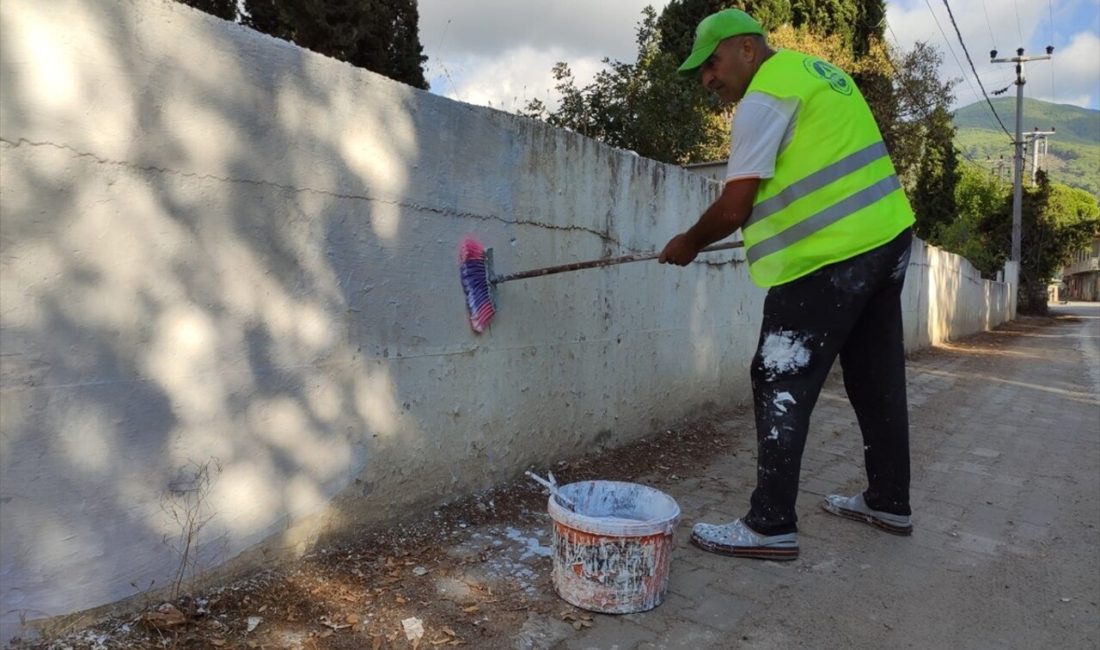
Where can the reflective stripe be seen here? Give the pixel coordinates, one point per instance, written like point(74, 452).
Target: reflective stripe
point(823, 219)
point(817, 180)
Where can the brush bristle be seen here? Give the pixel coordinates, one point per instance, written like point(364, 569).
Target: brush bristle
point(474, 271)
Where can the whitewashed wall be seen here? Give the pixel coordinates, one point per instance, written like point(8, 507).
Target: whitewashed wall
point(217, 248)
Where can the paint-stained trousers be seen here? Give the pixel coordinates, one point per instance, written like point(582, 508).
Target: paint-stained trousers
point(851, 309)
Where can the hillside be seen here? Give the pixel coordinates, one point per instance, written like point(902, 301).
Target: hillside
point(1073, 153)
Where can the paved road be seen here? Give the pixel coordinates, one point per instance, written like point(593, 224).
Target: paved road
point(1006, 495)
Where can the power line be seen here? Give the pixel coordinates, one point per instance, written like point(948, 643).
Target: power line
point(992, 38)
point(927, 112)
point(1050, 8)
point(971, 62)
point(950, 49)
point(1019, 32)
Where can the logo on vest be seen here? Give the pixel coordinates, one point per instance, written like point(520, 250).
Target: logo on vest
point(837, 80)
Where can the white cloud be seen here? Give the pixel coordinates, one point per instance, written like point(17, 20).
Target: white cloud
point(501, 52)
point(512, 79)
point(1005, 25)
point(1073, 77)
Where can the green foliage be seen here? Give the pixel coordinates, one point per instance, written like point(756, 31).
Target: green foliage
point(644, 107)
point(224, 9)
point(1073, 153)
point(919, 95)
point(379, 35)
point(1056, 221)
point(978, 194)
point(933, 198)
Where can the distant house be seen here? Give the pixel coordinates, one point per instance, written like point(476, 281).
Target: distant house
point(1082, 274)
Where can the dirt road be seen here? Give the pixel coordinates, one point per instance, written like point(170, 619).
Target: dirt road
point(1006, 551)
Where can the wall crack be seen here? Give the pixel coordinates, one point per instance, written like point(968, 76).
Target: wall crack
point(604, 236)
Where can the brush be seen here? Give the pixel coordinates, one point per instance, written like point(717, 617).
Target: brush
point(552, 486)
point(479, 280)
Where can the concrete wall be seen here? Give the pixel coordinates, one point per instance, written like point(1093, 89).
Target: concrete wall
point(945, 298)
point(220, 251)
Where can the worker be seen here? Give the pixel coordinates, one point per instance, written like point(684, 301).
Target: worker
point(827, 230)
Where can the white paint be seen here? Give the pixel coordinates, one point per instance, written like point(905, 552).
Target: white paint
point(531, 545)
point(781, 399)
point(784, 352)
point(774, 435)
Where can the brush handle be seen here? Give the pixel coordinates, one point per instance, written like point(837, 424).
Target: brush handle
point(604, 261)
point(553, 487)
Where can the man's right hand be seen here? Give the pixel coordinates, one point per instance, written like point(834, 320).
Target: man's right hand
point(679, 251)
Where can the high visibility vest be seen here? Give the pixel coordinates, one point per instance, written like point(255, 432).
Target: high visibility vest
point(835, 193)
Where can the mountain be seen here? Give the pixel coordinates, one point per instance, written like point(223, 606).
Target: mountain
point(1073, 152)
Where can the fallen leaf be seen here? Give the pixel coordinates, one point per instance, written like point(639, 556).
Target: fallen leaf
point(164, 617)
point(577, 625)
point(351, 619)
point(254, 622)
point(401, 600)
point(449, 632)
point(217, 643)
point(471, 609)
point(375, 643)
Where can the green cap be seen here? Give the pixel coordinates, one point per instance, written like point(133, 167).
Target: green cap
point(714, 29)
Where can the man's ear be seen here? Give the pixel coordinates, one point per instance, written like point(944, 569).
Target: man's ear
point(747, 47)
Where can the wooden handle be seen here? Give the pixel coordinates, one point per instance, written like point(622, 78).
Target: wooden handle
point(604, 261)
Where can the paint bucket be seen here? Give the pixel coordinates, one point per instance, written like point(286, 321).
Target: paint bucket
point(612, 554)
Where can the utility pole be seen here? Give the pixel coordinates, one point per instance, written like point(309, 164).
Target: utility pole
point(1017, 190)
point(1036, 137)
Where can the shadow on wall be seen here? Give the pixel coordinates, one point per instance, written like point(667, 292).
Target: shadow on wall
point(170, 282)
point(219, 251)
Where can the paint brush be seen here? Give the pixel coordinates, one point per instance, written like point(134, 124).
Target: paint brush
point(475, 265)
point(564, 500)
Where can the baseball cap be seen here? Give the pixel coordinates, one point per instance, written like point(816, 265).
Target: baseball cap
point(713, 30)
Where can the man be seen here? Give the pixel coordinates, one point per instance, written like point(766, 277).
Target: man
point(827, 231)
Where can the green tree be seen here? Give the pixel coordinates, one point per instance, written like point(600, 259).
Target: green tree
point(978, 194)
point(933, 198)
point(224, 9)
point(918, 96)
point(379, 35)
point(1056, 220)
point(643, 106)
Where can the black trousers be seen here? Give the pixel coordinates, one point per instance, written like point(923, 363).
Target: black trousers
point(851, 308)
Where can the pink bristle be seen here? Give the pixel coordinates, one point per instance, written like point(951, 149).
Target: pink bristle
point(476, 283)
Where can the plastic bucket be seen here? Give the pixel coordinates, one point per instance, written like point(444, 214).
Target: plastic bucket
point(612, 554)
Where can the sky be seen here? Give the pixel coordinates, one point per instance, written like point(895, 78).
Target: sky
point(500, 53)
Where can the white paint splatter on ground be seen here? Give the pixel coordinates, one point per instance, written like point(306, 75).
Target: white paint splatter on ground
point(506, 553)
point(784, 352)
point(533, 547)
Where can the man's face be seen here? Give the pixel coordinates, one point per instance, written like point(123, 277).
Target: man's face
point(728, 71)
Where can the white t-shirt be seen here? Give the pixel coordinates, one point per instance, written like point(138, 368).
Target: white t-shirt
point(762, 127)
